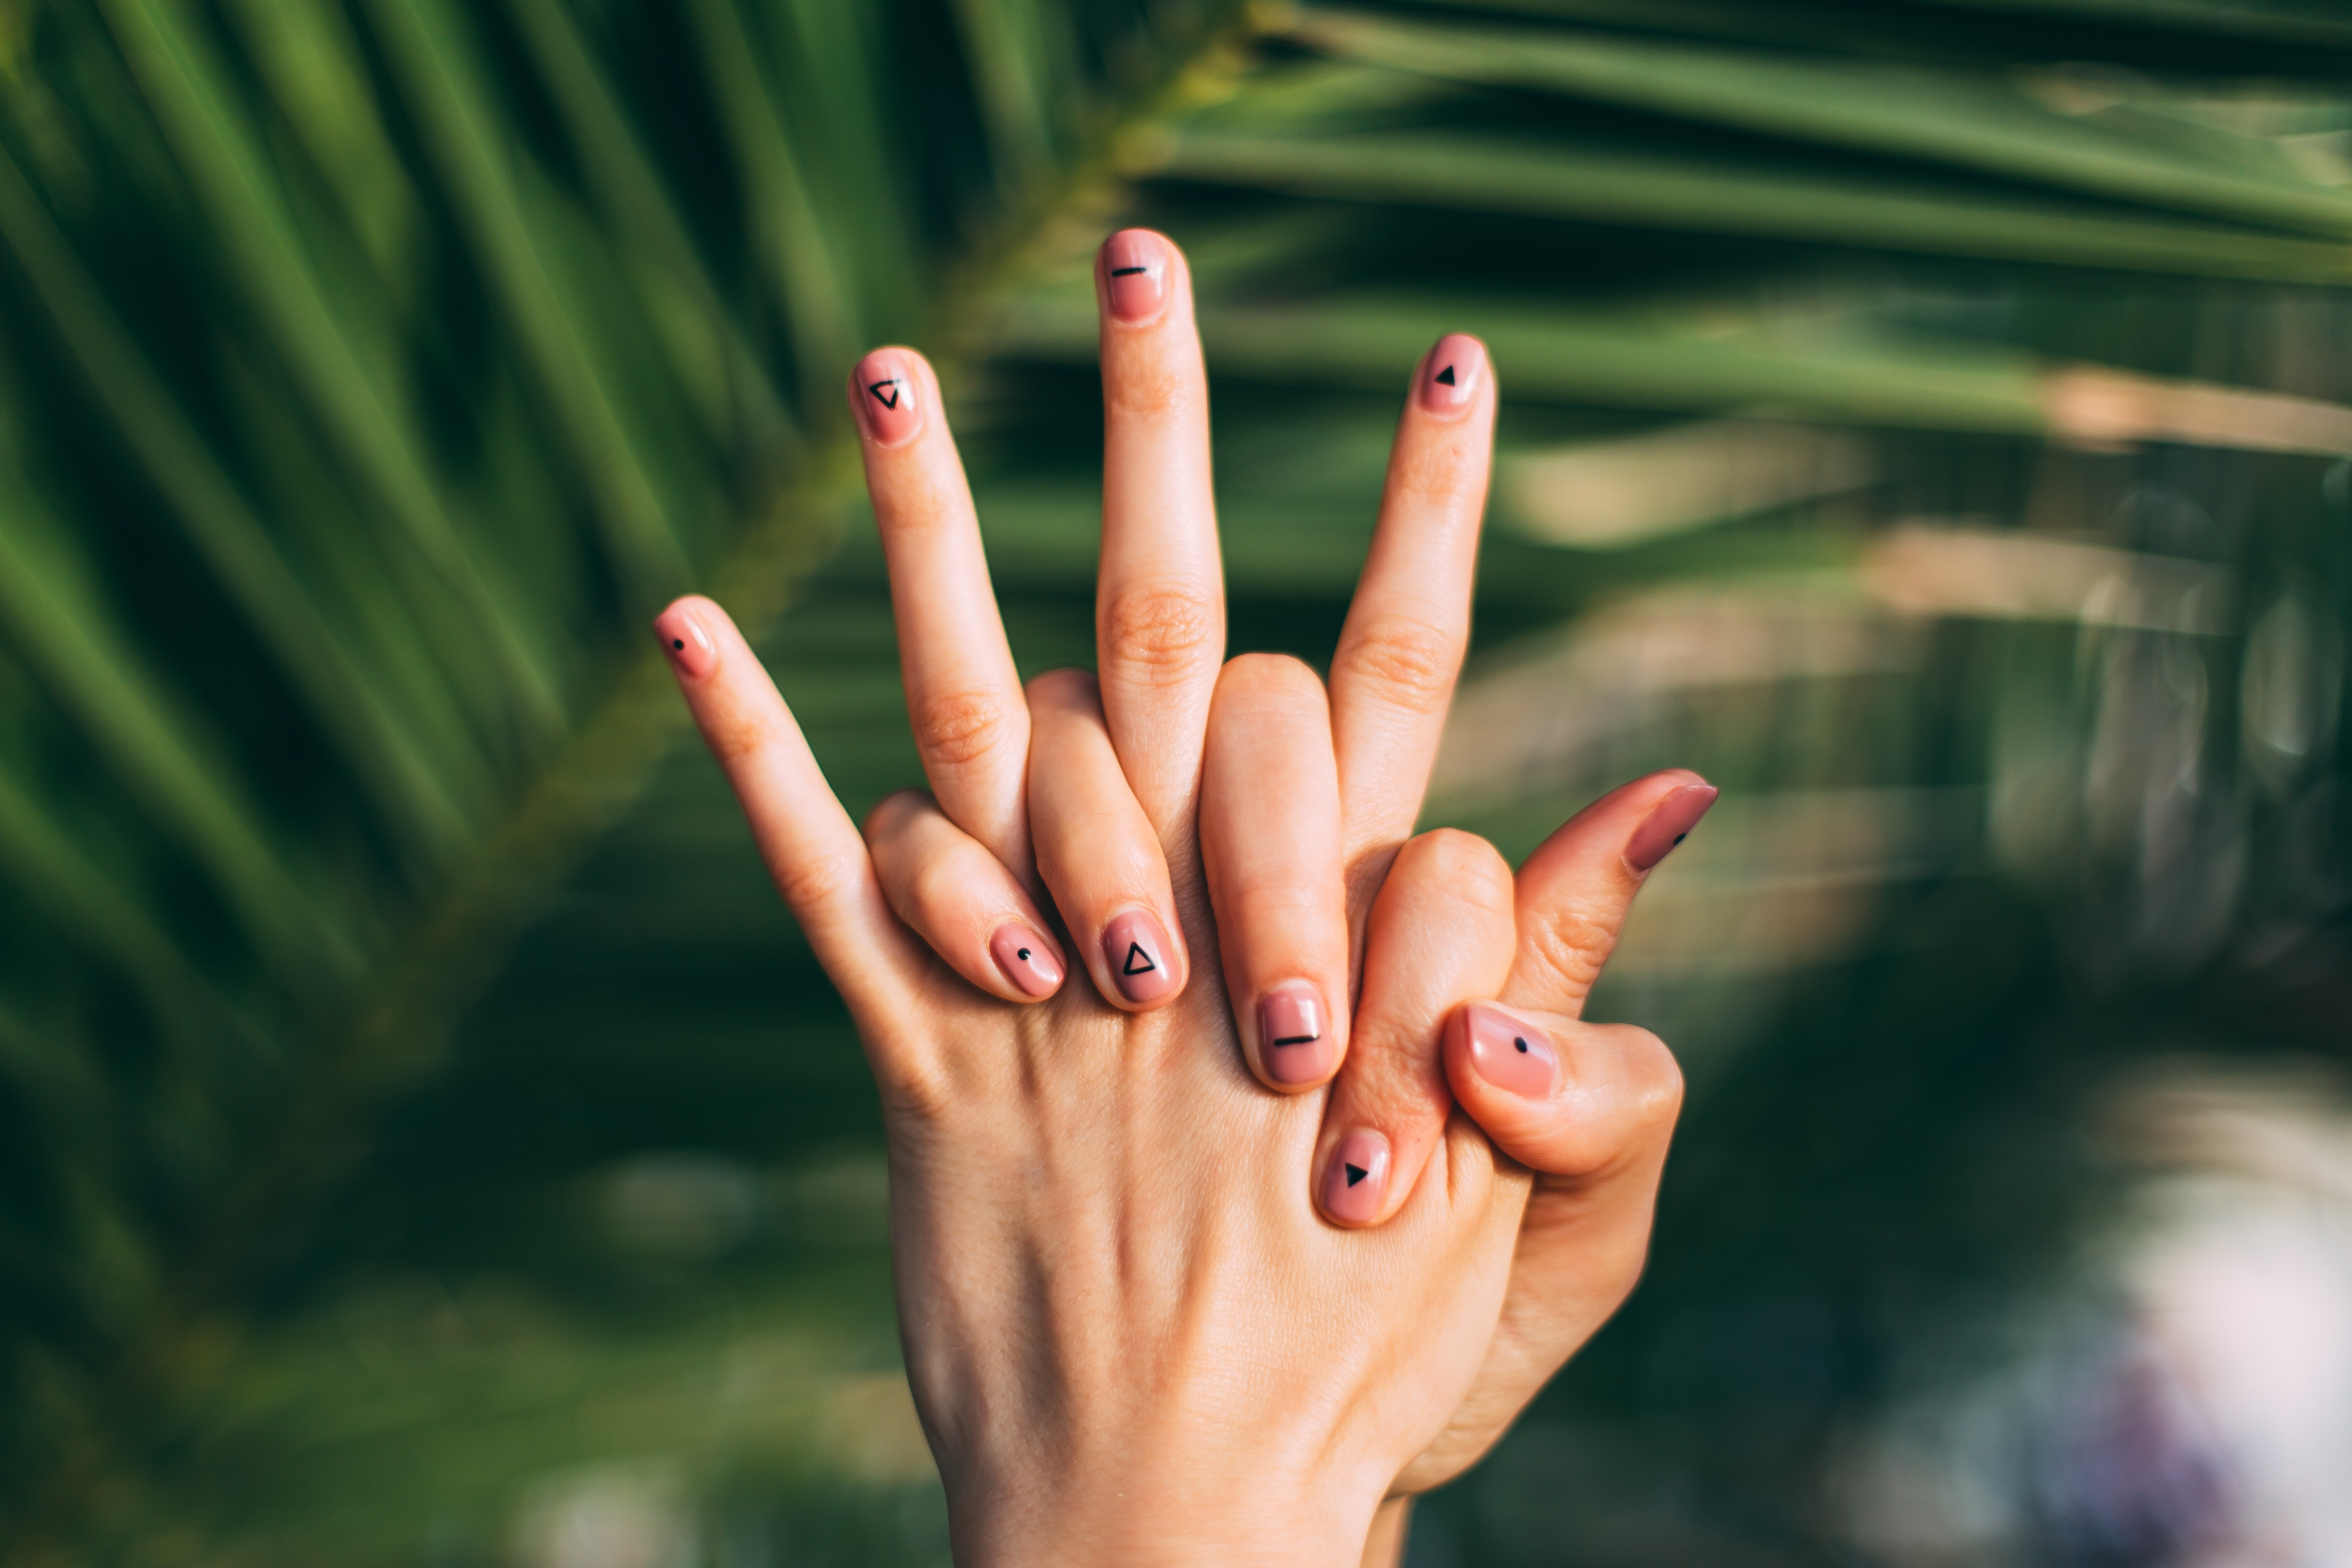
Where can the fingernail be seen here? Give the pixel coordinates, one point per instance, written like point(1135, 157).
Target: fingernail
point(1026, 961)
point(1134, 275)
point(1357, 1178)
point(1668, 824)
point(1512, 1055)
point(1294, 1037)
point(1450, 376)
point(1136, 949)
point(689, 646)
point(883, 388)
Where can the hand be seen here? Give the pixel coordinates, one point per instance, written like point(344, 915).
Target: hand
point(1588, 1109)
point(1127, 1331)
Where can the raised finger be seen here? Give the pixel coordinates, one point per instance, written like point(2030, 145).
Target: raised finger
point(1097, 850)
point(959, 897)
point(963, 696)
point(811, 848)
point(1440, 933)
point(1576, 889)
point(1159, 605)
point(1392, 675)
point(1270, 844)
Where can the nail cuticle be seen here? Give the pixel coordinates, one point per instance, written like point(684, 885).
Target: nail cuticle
point(1512, 1053)
point(1135, 948)
point(1669, 822)
point(1026, 961)
point(1135, 276)
point(689, 647)
point(889, 408)
point(1450, 375)
point(1295, 1041)
point(1356, 1182)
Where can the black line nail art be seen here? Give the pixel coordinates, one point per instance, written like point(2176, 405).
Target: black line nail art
point(1356, 1174)
point(1446, 376)
point(894, 383)
point(1128, 271)
point(1137, 960)
point(1299, 1040)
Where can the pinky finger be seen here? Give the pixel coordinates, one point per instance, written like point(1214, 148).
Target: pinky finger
point(811, 848)
point(959, 897)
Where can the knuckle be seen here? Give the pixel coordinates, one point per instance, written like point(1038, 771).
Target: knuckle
point(739, 736)
point(1062, 689)
point(960, 727)
point(1273, 674)
point(1574, 941)
point(892, 813)
point(1160, 636)
point(818, 881)
point(1410, 661)
point(1463, 863)
point(1146, 386)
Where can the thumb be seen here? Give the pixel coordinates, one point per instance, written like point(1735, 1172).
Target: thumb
point(1575, 891)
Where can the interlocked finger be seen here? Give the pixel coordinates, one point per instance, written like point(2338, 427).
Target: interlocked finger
point(946, 885)
point(1097, 851)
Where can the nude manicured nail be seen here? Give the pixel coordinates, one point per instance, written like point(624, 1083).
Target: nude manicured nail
point(689, 646)
point(1512, 1055)
point(1357, 1179)
point(1449, 376)
point(1134, 275)
point(1026, 961)
point(1137, 950)
point(1669, 822)
point(889, 409)
point(1294, 1034)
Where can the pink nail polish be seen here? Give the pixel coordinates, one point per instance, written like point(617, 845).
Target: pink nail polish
point(1134, 275)
point(1357, 1181)
point(689, 646)
point(885, 391)
point(1668, 824)
point(1294, 1037)
point(1450, 376)
point(1511, 1054)
point(1026, 961)
point(1136, 949)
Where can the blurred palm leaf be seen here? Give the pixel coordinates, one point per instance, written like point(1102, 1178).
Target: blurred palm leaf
point(411, 1092)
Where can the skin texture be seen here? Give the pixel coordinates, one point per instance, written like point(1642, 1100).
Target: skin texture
point(1147, 1315)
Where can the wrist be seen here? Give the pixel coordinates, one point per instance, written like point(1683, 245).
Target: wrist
point(1152, 1515)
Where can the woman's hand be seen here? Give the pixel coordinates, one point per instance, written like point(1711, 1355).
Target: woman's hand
point(1129, 1332)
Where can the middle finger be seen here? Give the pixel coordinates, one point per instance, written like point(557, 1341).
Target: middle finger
point(1159, 605)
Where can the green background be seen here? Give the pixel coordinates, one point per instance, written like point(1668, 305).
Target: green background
point(424, 1140)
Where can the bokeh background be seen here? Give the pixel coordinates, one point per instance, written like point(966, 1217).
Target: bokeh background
point(423, 1141)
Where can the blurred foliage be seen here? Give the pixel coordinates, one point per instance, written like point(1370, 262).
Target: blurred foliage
point(423, 1138)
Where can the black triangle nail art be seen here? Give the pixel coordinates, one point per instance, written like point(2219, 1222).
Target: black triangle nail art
point(889, 399)
point(1446, 376)
point(1356, 1174)
point(1137, 960)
